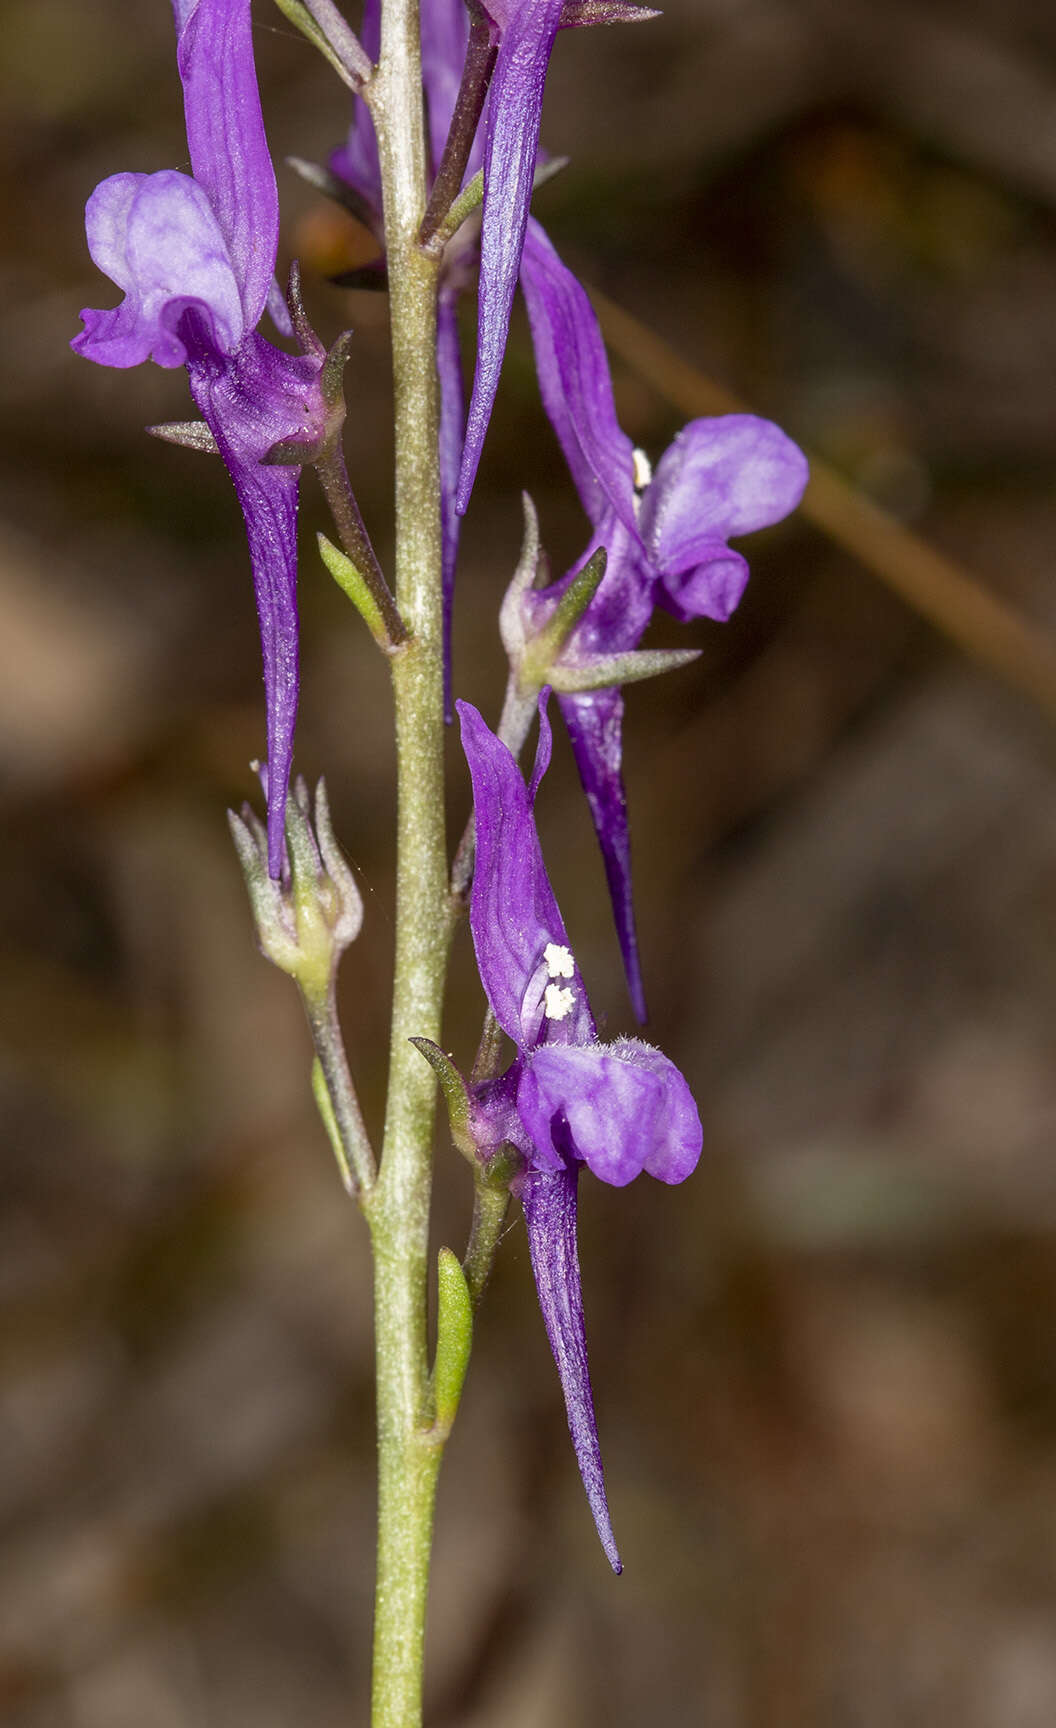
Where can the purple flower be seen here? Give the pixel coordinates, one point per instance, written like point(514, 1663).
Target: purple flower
point(525, 31)
point(665, 534)
point(196, 259)
point(566, 1100)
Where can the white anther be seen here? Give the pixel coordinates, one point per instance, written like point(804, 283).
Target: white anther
point(643, 470)
point(558, 1001)
point(559, 961)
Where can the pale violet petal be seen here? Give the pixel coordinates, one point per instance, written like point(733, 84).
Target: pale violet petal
point(717, 479)
point(620, 1108)
point(155, 236)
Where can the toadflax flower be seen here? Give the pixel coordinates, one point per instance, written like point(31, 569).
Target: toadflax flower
point(196, 259)
point(566, 1099)
point(524, 31)
point(666, 535)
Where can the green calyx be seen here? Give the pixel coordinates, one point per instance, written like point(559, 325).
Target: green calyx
point(306, 921)
point(602, 671)
point(542, 651)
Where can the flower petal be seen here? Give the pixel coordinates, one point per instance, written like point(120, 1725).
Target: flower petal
point(252, 400)
point(620, 1108)
point(719, 478)
point(710, 588)
point(225, 135)
point(549, 1202)
point(575, 384)
point(278, 311)
point(523, 957)
point(515, 108)
point(156, 236)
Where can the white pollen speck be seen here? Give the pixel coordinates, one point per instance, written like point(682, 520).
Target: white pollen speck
point(643, 470)
point(557, 1002)
point(559, 961)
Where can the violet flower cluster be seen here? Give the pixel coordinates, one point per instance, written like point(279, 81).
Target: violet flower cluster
point(566, 1099)
point(195, 256)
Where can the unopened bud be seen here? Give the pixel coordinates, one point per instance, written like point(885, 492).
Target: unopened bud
point(306, 919)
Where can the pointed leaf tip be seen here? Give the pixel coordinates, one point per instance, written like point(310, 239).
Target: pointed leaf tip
point(602, 671)
point(189, 434)
point(456, 1096)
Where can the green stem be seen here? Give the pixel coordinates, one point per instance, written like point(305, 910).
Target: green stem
point(408, 1456)
point(491, 1199)
point(358, 1161)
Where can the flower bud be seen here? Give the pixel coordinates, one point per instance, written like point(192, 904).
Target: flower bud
point(307, 918)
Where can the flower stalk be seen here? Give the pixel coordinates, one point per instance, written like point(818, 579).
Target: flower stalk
point(408, 1452)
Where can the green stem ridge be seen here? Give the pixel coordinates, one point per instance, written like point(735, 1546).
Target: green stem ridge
point(398, 1209)
point(345, 1117)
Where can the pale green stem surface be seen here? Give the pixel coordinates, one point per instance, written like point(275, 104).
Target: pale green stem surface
point(345, 1119)
point(398, 1211)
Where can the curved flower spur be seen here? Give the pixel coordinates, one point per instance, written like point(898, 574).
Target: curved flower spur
point(196, 258)
point(566, 1099)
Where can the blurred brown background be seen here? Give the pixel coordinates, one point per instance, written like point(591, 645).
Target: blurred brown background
point(825, 1368)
